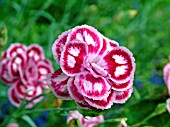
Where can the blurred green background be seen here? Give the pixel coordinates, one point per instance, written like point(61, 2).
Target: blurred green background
point(143, 26)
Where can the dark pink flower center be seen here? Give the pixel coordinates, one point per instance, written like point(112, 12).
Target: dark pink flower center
point(31, 71)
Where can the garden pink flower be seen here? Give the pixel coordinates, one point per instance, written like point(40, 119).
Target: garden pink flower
point(166, 73)
point(95, 71)
point(87, 121)
point(12, 125)
point(25, 69)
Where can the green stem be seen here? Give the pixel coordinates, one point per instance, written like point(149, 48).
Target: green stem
point(57, 110)
point(16, 113)
point(28, 102)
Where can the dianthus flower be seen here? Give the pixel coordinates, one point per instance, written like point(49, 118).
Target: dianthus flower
point(95, 71)
point(166, 73)
point(87, 121)
point(25, 69)
point(12, 125)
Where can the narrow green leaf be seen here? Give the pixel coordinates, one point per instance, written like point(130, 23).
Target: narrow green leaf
point(29, 120)
point(60, 111)
point(113, 123)
point(160, 108)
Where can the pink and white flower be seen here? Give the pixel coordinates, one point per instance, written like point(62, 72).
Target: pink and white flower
point(25, 69)
point(87, 121)
point(166, 74)
point(95, 71)
point(12, 125)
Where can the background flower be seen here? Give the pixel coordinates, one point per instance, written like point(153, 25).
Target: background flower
point(87, 121)
point(95, 71)
point(166, 73)
point(12, 125)
point(25, 69)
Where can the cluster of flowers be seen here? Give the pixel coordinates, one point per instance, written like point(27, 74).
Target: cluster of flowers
point(87, 121)
point(95, 71)
point(25, 69)
point(166, 73)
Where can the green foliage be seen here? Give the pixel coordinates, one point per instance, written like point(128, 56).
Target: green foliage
point(91, 113)
point(28, 120)
point(140, 25)
point(74, 123)
point(112, 123)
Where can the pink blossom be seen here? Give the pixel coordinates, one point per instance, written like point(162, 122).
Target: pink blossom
point(87, 121)
point(166, 74)
point(25, 69)
point(95, 71)
point(12, 125)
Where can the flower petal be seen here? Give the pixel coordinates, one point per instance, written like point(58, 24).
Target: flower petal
point(91, 87)
point(122, 96)
point(4, 73)
point(96, 70)
point(15, 49)
point(58, 84)
point(166, 74)
point(121, 86)
point(30, 73)
point(35, 52)
point(92, 121)
point(12, 125)
point(75, 114)
point(74, 92)
point(58, 46)
point(16, 63)
point(22, 89)
point(44, 67)
point(99, 70)
point(16, 101)
point(106, 103)
point(89, 35)
point(13, 97)
point(112, 44)
point(119, 63)
point(73, 57)
point(103, 51)
point(4, 55)
point(108, 45)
